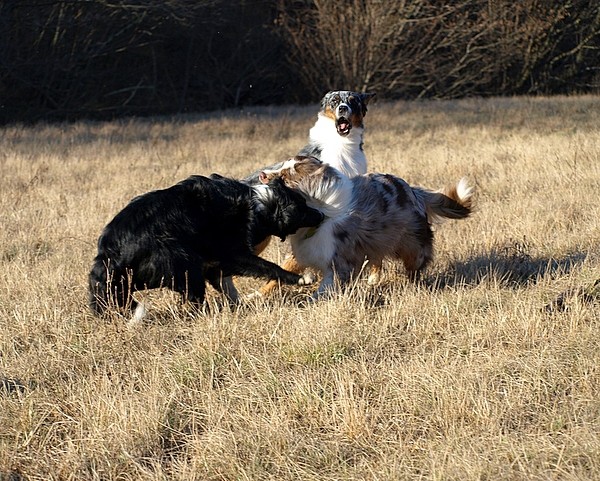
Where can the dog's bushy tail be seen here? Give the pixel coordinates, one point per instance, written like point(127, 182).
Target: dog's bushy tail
point(454, 202)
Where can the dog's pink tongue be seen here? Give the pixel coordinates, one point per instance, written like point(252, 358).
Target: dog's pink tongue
point(343, 126)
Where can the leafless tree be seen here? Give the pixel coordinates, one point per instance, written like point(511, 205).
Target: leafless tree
point(428, 48)
point(67, 58)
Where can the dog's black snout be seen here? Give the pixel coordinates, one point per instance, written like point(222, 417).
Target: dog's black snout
point(343, 109)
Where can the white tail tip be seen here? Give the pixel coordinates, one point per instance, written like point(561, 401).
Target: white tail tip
point(463, 189)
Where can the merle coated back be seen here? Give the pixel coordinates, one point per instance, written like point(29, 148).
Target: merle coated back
point(199, 229)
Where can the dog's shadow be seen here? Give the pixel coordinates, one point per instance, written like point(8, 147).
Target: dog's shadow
point(510, 266)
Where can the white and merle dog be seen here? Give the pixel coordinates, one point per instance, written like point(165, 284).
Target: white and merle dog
point(372, 217)
point(337, 136)
point(199, 229)
point(336, 139)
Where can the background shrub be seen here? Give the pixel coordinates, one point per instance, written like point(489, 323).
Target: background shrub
point(97, 58)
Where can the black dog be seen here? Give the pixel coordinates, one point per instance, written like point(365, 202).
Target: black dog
point(199, 229)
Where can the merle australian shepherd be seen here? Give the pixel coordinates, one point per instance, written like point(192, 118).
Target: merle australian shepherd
point(336, 139)
point(203, 228)
point(372, 216)
point(337, 136)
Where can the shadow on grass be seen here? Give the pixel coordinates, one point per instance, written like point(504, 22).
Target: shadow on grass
point(509, 266)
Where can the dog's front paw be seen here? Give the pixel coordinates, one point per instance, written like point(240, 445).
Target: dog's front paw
point(253, 295)
point(306, 279)
point(374, 278)
point(138, 316)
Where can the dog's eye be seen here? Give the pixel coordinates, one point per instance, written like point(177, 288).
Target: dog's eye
point(335, 100)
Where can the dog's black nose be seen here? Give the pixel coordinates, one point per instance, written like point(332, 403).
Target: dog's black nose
point(343, 109)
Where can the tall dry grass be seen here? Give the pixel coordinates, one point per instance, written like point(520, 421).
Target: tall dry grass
point(465, 377)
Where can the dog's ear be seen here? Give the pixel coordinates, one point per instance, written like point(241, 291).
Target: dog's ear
point(364, 98)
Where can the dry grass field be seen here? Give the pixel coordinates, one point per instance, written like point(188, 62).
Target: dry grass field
point(488, 370)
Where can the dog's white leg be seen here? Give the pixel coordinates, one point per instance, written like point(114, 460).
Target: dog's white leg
point(253, 295)
point(307, 278)
point(138, 316)
point(374, 278)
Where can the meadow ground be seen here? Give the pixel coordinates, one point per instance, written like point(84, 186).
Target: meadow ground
point(489, 370)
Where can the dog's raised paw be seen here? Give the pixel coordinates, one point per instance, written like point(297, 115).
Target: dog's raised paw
point(306, 279)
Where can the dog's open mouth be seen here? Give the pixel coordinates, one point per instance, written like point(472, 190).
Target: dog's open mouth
point(343, 126)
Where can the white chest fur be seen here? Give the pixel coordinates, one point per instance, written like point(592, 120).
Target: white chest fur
point(314, 249)
point(343, 153)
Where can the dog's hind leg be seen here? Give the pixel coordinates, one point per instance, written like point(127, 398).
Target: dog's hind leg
point(225, 285)
point(190, 284)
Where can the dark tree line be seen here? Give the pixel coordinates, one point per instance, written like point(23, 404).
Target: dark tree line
point(104, 58)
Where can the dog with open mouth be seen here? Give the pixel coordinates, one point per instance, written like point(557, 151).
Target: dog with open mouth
point(336, 139)
point(337, 136)
point(367, 217)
